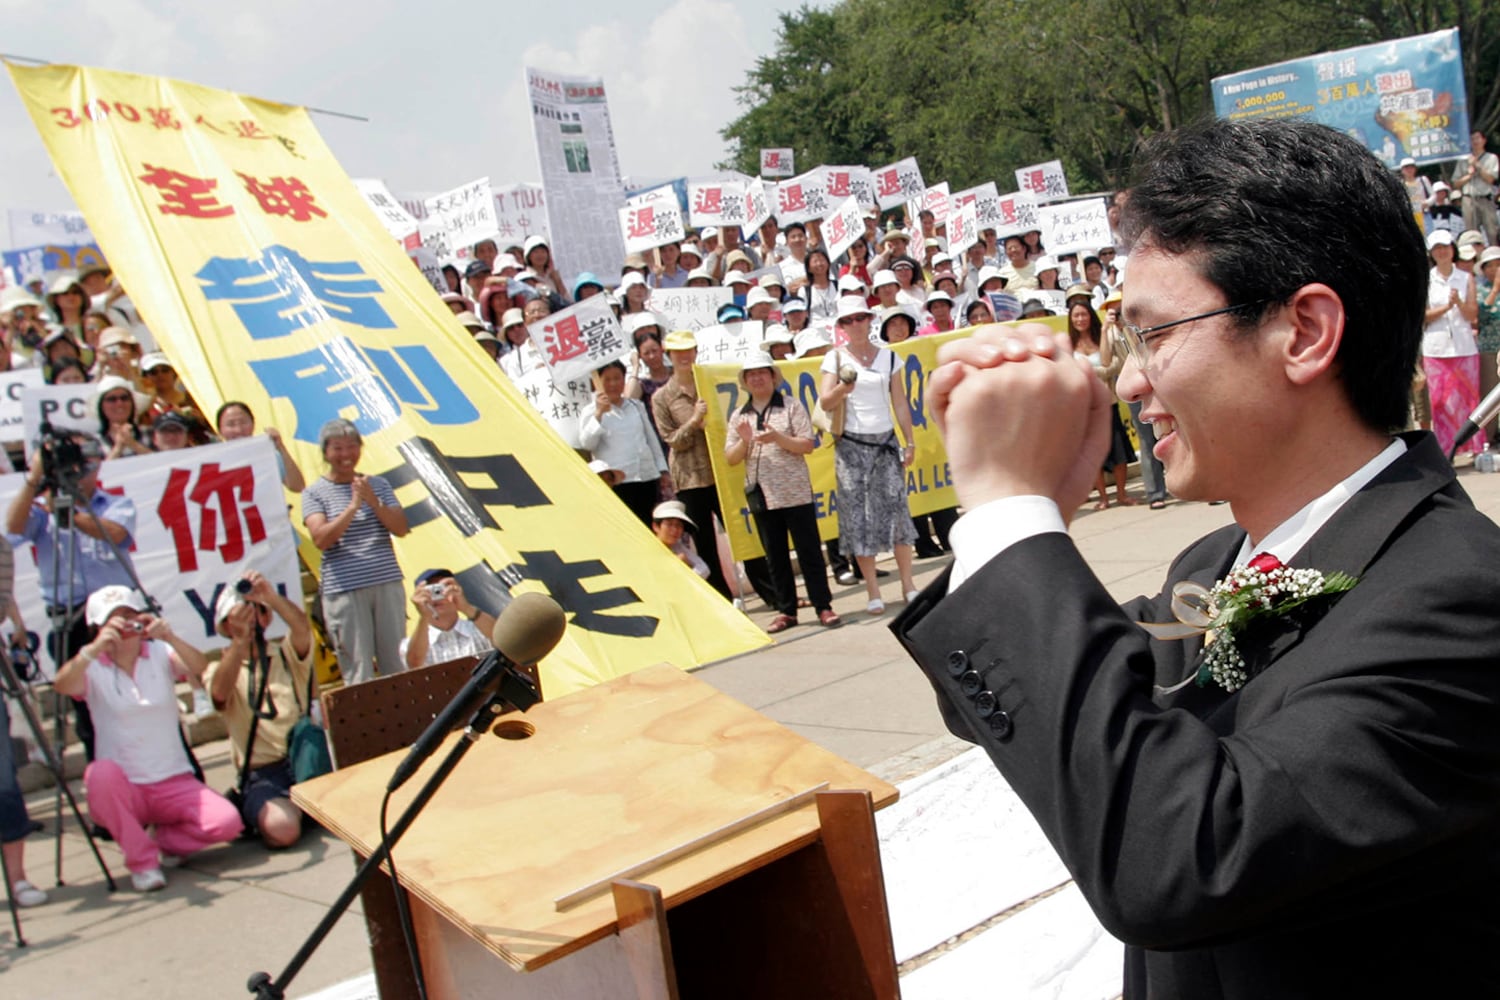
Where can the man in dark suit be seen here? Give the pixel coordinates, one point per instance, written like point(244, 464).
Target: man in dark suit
point(1331, 828)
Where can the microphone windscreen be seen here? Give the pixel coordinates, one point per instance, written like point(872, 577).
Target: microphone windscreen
point(528, 628)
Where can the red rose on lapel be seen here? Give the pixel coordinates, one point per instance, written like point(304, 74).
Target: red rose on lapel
point(1265, 562)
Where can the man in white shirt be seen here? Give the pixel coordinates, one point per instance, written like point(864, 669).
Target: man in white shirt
point(1335, 787)
point(448, 626)
point(1478, 184)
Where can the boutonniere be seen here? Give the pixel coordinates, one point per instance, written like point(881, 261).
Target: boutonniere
point(1261, 589)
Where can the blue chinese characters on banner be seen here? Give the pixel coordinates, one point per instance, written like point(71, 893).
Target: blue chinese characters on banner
point(281, 293)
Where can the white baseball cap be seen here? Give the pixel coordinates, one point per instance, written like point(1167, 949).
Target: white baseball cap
point(105, 600)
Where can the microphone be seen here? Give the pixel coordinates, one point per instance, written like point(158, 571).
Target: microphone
point(527, 630)
point(1483, 414)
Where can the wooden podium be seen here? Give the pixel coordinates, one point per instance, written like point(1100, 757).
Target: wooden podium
point(646, 838)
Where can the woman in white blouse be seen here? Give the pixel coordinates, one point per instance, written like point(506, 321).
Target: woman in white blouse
point(1450, 355)
point(618, 431)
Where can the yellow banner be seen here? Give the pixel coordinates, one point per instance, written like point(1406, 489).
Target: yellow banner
point(267, 278)
point(929, 486)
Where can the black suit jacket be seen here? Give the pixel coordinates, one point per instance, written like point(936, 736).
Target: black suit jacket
point(1332, 829)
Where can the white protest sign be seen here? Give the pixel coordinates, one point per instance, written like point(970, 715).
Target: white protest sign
point(1045, 181)
point(777, 163)
point(898, 182)
point(396, 220)
point(1053, 299)
point(65, 407)
point(986, 198)
point(1018, 214)
point(650, 224)
point(844, 227)
point(718, 344)
point(1075, 226)
point(935, 200)
point(716, 202)
point(689, 308)
point(34, 229)
point(575, 145)
point(434, 237)
point(468, 212)
point(431, 267)
point(520, 211)
point(559, 405)
point(12, 386)
point(203, 516)
point(579, 340)
point(846, 181)
point(651, 196)
point(963, 229)
point(757, 206)
point(802, 198)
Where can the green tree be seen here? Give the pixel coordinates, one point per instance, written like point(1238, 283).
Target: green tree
point(978, 88)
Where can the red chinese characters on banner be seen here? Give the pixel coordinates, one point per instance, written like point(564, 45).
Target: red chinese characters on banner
point(888, 182)
point(838, 183)
point(773, 159)
point(224, 499)
point(791, 198)
point(564, 341)
point(184, 195)
point(196, 197)
point(283, 196)
point(1038, 182)
point(642, 223)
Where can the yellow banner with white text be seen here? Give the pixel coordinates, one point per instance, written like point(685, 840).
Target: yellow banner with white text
point(929, 484)
point(266, 277)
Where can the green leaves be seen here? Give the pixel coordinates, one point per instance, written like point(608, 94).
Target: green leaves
point(978, 88)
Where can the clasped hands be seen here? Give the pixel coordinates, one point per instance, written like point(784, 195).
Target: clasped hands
point(1020, 415)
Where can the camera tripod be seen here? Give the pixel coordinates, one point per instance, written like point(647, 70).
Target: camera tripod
point(12, 685)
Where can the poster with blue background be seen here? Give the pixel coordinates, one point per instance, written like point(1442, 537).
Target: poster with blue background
point(1399, 98)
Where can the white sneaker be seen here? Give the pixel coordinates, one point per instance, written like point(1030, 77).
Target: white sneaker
point(26, 894)
point(149, 880)
point(203, 705)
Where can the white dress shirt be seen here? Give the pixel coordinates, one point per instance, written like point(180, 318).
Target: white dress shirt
point(991, 528)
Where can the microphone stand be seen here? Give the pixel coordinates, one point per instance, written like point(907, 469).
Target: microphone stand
point(514, 689)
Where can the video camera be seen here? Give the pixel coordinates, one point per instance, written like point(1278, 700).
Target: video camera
point(64, 459)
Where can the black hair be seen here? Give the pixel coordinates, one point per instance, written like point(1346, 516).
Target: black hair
point(1269, 206)
point(617, 365)
point(832, 275)
point(794, 225)
point(918, 278)
point(978, 304)
point(56, 368)
point(219, 413)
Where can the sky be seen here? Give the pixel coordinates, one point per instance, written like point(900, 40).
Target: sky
point(441, 82)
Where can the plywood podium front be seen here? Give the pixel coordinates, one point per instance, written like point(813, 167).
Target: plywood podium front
point(652, 765)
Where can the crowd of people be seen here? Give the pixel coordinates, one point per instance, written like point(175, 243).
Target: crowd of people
point(644, 436)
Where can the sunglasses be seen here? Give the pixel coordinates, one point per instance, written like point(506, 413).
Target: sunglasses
point(117, 398)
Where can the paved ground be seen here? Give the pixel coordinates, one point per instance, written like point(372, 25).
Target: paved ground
point(235, 910)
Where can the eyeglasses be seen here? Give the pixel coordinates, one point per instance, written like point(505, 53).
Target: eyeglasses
point(121, 398)
point(851, 320)
point(1140, 348)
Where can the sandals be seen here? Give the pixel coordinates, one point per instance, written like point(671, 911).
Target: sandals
point(1158, 504)
point(829, 618)
point(875, 607)
point(780, 624)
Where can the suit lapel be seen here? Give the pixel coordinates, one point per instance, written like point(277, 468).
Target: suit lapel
point(1351, 540)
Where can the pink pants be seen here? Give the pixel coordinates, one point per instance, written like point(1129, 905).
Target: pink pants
point(187, 814)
